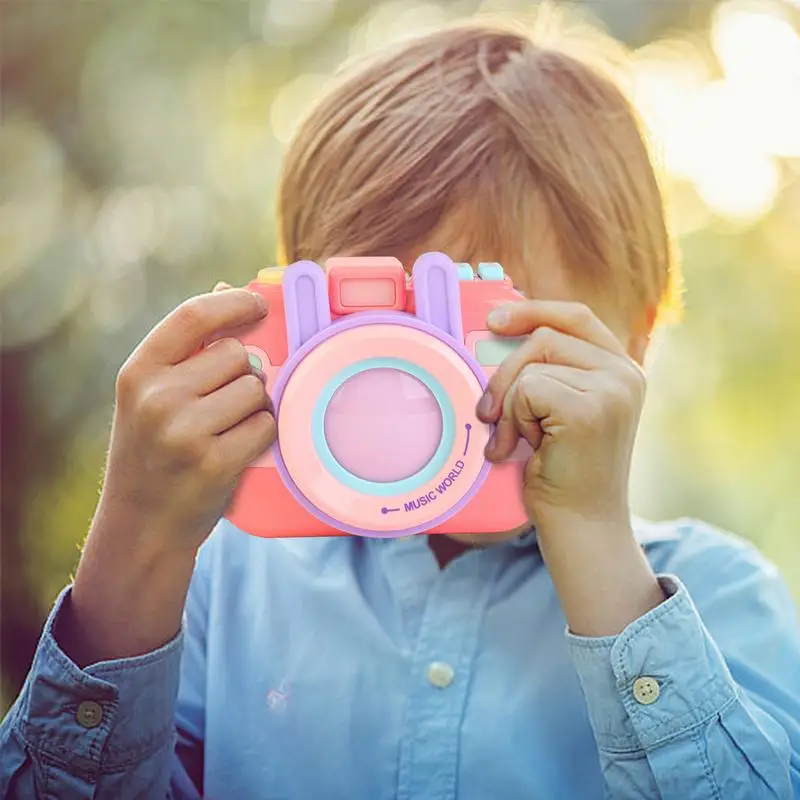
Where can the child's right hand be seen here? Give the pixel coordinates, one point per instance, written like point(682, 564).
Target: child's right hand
point(188, 420)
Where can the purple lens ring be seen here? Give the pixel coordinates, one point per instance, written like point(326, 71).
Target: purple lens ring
point(349, 323)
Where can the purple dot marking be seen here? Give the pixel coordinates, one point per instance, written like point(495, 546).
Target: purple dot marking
point(466, 446)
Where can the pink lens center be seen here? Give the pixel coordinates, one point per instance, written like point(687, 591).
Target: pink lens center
point(383, 425)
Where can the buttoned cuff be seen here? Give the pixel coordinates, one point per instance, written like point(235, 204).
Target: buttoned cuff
point(660, 678)
point(107, 716)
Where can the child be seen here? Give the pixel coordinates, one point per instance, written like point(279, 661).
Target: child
point(594, 655)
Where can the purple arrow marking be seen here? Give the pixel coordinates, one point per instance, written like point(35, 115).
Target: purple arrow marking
point(385, 510)
point(466, 446)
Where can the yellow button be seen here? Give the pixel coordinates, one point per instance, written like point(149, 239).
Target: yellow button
point(90, 714)
point(440, 674)
point(646, 690)
point(273, 275)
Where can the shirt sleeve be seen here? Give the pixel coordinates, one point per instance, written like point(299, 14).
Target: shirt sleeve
point(106, 731)
point(700, 697)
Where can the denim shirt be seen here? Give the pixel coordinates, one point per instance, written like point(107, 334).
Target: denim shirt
point(355, 669)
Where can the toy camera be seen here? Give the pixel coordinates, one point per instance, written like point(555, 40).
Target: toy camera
point(375, 377)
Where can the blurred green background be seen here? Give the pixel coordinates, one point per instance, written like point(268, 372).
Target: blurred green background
point(139, 150)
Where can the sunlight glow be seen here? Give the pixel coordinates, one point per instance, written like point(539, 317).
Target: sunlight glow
point(724, 136)
point(760, 55)
point(394, 21)
point(755, 48)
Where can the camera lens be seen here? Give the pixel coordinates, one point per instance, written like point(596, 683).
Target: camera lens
point(383, 425)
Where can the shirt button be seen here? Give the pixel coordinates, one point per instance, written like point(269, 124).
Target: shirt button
point(90, 714)
point(440, 674)
point(646, 690)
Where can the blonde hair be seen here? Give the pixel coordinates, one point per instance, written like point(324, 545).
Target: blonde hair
point(488, 119)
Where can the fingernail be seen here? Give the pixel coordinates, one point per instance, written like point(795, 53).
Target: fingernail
point(260, 374)
point(499, 317)
point(261, 302)
point(484, 408)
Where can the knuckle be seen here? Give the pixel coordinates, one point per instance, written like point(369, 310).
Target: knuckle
point(501, 378)
point(618, 396)
point(526, 387)
point(508, 399)
point(254, 385)
point(527, 378)
point(638, 376)
point(189, 312)
point(267, 427)
point(235, 352)
point(581, 313)
point(504, 432)
point(633, 382)
point(519, 404)
point(154, 405)
point(544, 339)
point(127, 379)
point(637, 385)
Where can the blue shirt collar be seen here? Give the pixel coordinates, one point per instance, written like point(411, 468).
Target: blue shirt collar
point(526, 539)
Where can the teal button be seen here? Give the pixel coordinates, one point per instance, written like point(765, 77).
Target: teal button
point(254, 360)
point(490, 271)
point(492, 352)
point(465, 272)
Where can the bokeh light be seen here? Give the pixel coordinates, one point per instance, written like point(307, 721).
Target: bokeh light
point(723, 134)
point(32, 190)
point(394, 21)
point(291, 102)
point(290, 21)
point(759, 51)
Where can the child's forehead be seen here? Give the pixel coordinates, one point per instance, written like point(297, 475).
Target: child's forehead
point(529, 254)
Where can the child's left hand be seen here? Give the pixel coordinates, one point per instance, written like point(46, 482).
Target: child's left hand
point(575, 395)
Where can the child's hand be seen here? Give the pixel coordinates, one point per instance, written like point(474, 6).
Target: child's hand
point(576, 396)
point(188, 420)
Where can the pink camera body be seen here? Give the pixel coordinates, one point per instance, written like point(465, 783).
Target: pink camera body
point(375, 377)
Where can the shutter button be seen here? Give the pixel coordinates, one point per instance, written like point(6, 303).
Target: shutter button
point(90, 714)
point(440, 674)
point(646, 690)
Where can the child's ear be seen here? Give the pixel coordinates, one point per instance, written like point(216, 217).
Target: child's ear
point(641, 334)
point(650, 319)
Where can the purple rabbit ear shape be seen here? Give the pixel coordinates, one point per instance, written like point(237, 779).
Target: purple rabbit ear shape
point(305, 298)
point(436, 293)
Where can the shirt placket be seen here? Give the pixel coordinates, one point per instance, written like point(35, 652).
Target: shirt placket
point(439, 677)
